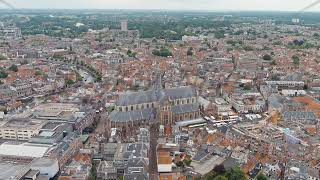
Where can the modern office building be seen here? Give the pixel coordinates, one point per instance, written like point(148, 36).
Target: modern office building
point(20, 129)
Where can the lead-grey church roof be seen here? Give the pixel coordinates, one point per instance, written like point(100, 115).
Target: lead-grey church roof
point(185, 108)
point(136, 115)
point(154, 95)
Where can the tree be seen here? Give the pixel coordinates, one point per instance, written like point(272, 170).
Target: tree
point(219, 34)
point(246, 87)
point(110, 108)
point(78, 76)
point(233, 42)
point(220, 177)
point(3, 74)
point(267, 57)
point(248, 48)
point(261, 177)
point(163, 52)
point(14, 68)
point(2, 57)
point(229, 49)
point(93, 171)
point(38, 73)
point(98, 78)
point(296, 59)
point(131, 54)
point(69, 82)
point(235, 174)
point(189, 52)
point(277, 43)
point(266, 48)
point(179, 164)
point(219, 169)
point(187, 162)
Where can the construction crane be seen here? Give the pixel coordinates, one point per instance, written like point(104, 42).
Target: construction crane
point(296, 19)
point(7, 4)
point(310, 6)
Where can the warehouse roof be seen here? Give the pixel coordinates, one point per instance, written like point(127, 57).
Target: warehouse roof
point(23, 150)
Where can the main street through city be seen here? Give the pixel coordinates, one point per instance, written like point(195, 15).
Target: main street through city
point(153, 167)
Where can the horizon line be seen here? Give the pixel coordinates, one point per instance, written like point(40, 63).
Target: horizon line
point(150, 9)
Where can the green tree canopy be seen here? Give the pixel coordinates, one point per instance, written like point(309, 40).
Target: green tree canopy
point(235, 174)
point(220, 177)
point(267, 57)
point(131, 53)
point(163, 52)
point(261, 177)
point(14, 68)
point(69, 82)
point(296, 59)
point(3, 74)
point(189, 52)
point(187, 162)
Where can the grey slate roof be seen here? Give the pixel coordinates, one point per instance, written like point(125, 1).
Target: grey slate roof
point(182, 92)
point(154, 95)
point(275, 101)
point(230, 163)
point(201, 154)
point(298, 115)
point(185, 108)
point(137, 167)
point(137, 115)
point(137, 98)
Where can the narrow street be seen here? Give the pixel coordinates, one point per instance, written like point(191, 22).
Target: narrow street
point(153, 167)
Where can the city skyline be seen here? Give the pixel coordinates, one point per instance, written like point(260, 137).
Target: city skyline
point(207, 5)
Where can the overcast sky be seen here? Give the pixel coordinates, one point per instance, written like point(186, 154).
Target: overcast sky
point(219, 5)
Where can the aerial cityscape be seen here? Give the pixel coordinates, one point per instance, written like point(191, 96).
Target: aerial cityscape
point(159, 90)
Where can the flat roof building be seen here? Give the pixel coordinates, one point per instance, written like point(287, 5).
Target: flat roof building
point(51, 133)
point(23, 150)
point(20, 129)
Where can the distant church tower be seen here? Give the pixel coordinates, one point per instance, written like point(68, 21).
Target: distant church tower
point(124, 25)
point(157, 82)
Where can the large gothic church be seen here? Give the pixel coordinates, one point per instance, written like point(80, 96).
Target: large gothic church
point(157, 105)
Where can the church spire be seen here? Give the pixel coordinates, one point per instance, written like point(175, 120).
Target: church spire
point(158, 79)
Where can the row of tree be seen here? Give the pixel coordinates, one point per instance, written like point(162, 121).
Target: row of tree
point(163, 52)
point(4, 74)
point(220, 173)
